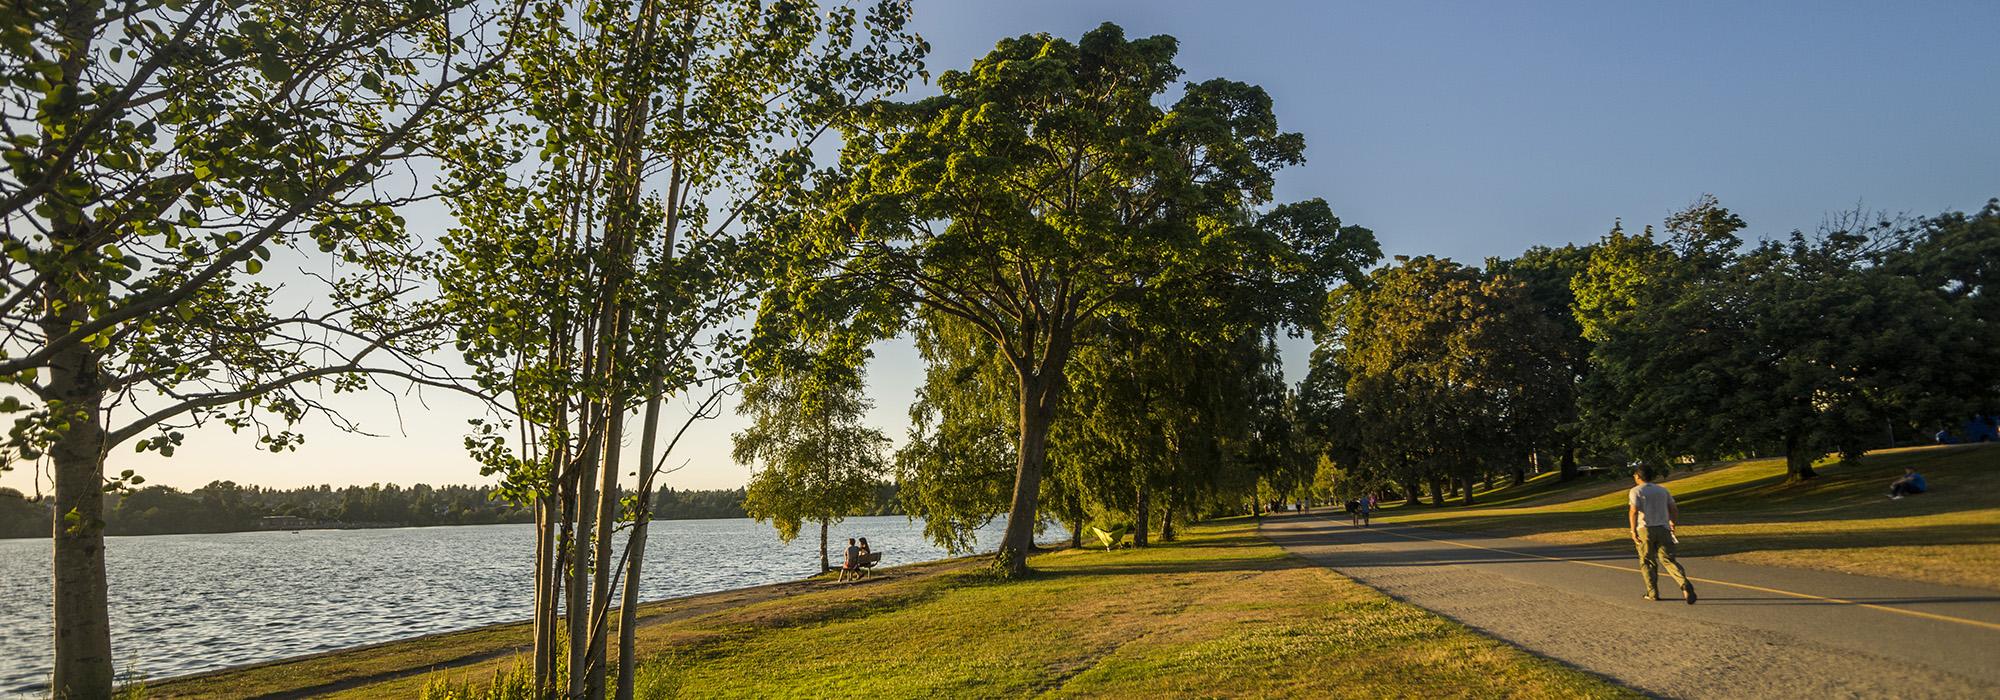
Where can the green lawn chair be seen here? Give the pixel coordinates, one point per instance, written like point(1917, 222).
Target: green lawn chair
point(1111, 538)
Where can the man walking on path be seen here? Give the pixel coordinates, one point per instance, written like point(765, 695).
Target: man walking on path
point(1652, 516)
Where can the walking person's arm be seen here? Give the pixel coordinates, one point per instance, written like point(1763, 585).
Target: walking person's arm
point(1632, 518)
point(1673, 514)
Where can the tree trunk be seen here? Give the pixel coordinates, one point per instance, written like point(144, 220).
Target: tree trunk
point(600, 605)
point(1167, 516)
point(607, 505)
point(83, 666)
point(1256, 507)
point(635, 554)
point(578, 607)
point(82, 610)
point(1143, 514)
point(1798, 463)
point(1022, 512)
point(546, 585)
point(1077, 523)
point(1568, 466)
point(1413, 493)
point(1468, 490)
point(628, 612)
point(1437, 491)
point(825, 564)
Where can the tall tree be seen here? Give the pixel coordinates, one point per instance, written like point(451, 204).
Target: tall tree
point(1441, 364)
point(1549, 402)
point(955, 470)
point(159, 155)
point(1956, 256)
point(819, 462)
point(1804, 343)
point(1044, 189)
point(602, 253)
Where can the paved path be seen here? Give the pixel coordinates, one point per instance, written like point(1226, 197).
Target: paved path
point(1758, 631)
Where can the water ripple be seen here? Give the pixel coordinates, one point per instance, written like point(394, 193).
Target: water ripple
point(189, 603)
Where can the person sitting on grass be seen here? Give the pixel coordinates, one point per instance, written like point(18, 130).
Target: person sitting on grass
point(1910, 483)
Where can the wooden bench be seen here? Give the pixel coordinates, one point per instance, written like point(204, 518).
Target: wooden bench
point(863, 564)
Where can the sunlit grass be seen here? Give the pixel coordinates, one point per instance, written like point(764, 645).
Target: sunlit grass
point(1745, 511)
point(1221, 613)
point(516, 682)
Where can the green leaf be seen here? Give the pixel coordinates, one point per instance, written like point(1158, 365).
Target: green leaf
point(273, 67)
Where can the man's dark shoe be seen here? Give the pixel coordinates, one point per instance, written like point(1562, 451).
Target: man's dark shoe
point(1690, 596)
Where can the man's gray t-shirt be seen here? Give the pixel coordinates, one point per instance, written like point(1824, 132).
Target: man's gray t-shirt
point(1653, 503)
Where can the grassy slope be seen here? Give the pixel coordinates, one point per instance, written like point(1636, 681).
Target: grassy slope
point(1222, 613)
point(1842, 521)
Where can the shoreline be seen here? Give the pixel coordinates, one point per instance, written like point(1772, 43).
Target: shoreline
point(481, 647)
point(45, 537)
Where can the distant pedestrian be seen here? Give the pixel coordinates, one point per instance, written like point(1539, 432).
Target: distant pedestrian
point(1911, 483)
point(1367, 507)
point(1652, 516)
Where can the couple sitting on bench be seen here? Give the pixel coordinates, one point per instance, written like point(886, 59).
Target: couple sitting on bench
point(859, 560)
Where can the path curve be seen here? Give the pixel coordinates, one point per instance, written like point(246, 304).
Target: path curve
point(1758, 631)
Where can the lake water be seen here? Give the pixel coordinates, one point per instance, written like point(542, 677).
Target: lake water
point(187, 603)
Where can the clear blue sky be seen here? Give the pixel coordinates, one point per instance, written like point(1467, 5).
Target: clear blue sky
point(1465, 129)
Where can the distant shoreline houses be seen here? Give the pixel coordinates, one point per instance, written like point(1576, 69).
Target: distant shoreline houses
point(286, 522)
point(293, 522)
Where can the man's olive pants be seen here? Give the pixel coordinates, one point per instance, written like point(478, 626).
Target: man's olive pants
point(1656, 545)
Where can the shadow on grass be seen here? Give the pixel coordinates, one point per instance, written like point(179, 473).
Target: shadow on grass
point(1258, 565)
point(1516, 553)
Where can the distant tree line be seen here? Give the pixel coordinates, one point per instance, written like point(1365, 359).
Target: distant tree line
point(707, 504)
point(225, 506)
point(20, 517)
point(1677, 345)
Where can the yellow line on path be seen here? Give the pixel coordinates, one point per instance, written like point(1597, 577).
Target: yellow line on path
point(1745, 586)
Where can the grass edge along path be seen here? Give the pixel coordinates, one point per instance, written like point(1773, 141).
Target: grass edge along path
point(1745, 511)
point(1222, 613)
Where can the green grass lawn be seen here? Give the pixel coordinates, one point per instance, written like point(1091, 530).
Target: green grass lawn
point(1222, 613)
point(1745, 511)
